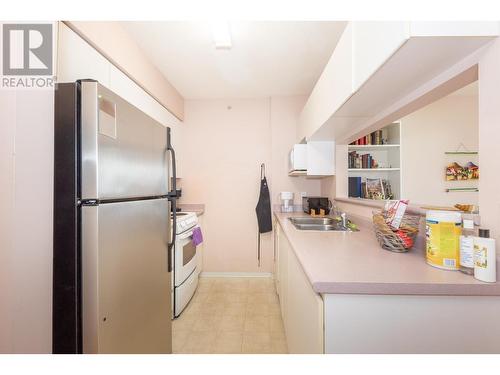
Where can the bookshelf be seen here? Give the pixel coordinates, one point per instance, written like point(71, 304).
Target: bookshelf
point(373, 169)
point(387, 158)
point(372, 147)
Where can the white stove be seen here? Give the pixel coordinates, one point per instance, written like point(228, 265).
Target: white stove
point(185, 273)
point(185, 221)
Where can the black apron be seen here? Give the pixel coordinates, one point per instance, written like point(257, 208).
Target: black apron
point(263, 208)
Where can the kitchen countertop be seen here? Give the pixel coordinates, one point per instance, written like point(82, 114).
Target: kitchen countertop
point(199, 209)
point(354, 263)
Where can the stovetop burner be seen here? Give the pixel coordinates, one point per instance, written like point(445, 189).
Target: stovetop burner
point(185, 221)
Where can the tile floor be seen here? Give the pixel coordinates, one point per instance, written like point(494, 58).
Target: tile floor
point(231, 315)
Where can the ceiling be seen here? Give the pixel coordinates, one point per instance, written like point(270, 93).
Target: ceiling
point(268, 58)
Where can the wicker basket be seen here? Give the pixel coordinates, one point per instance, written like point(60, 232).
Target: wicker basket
point(387, 237)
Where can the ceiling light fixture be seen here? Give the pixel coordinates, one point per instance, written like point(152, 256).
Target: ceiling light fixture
point(221, 34)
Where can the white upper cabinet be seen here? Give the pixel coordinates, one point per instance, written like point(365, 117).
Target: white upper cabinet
point(372, 44)
point(333, 88)
point(452, 28)
point(314, 159)
point(375, 64)
point(320, 158)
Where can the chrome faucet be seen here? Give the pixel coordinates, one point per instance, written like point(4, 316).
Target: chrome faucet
point(343, 216)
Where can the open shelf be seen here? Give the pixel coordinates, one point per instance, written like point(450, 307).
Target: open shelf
point(373, 169)
point(387, 155)
point(371, 147)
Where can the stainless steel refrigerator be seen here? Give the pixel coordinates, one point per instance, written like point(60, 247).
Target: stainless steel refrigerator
point(114, 189)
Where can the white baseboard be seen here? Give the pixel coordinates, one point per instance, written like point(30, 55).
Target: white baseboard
point(236, 274)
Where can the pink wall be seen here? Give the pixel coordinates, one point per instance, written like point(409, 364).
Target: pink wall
point(7, 147)
point(425, 136)
point(113, 42)
point(26, 167)
point(223, 151)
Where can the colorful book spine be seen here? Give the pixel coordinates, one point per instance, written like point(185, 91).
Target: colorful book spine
point(374, 138)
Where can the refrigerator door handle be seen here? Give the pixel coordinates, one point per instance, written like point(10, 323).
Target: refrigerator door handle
point(172, 197)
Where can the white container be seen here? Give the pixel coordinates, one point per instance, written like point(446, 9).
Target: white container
point(442, 231)
point(485, 266)
point(467, 247)
point(286, 201)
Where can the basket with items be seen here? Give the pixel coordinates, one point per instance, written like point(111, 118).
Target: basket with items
point(395, 229)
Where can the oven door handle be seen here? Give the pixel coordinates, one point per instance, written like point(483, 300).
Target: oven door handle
point(185, 235)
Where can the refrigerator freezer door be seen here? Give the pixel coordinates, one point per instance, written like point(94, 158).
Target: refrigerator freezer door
point(123, 150)
point(126, 286)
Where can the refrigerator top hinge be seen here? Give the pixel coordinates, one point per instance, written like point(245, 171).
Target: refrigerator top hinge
point(88, 202)
point(172, 195)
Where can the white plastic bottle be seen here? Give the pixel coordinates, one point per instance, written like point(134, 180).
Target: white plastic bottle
point(485, 257)
point(467, 246)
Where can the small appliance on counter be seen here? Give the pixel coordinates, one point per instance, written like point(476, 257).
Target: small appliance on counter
point(286, 201)
point(316, 205)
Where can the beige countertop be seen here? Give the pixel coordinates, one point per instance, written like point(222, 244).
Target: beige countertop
point(199, 209)
point(354, 263)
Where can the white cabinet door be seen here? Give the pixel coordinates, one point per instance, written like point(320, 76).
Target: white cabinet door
point(320, 158)
point(399, 324)
point(363, 48)
point(333, 88)
point(283, 250)
point(304, 323)
point(373, 43)
point(276, 255)
point(301, 307)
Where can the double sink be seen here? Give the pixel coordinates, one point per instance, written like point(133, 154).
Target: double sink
point(324, 224)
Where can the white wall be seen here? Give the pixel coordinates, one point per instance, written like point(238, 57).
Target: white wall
point(426, 135)
point(26, 169)
point(224, 148)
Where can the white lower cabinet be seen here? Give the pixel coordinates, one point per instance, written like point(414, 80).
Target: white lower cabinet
point(301, 307)
point(403, 324)
point(379, 324)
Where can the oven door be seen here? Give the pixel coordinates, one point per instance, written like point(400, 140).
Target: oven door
point(185, 257)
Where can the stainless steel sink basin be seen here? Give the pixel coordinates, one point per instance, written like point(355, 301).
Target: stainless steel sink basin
point(322, 224)
point(312, 220)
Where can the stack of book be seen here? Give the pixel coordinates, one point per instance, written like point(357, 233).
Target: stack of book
point(374, 138)
point(370, 188)
point(361, 161)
